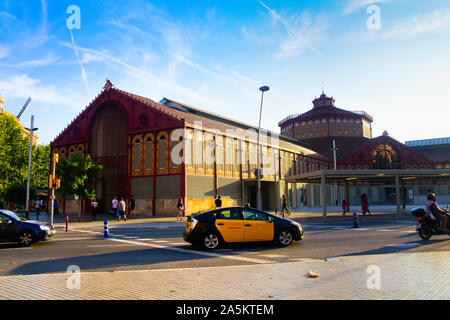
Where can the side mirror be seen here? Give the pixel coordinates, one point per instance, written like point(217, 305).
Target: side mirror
point(9, 222)
point(269, 219)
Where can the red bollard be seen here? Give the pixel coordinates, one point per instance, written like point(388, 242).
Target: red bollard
point(67, 223)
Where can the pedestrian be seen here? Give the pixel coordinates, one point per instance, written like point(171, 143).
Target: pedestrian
point(56, 206)
point(365, 204)
point(218, 202)
point(122, 209)
point(37, 206)
point(115, 204)
point(94, 206)
point(344, 207)
point(284, 207)
point(132, 206)
point(180, 208)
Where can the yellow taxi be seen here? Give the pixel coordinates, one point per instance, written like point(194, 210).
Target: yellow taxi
point(239, 224)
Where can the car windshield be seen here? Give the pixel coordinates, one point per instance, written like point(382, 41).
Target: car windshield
point(13, 215)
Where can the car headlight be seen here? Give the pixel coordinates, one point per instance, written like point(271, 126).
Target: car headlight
point(44, 228)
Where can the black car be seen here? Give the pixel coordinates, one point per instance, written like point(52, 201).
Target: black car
point(239, 224)
point(15, 228)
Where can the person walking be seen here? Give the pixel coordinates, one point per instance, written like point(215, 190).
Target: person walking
point(132, 206)
point(344, 207)
point(94, 206)
point(56, 207)
point(180, 208)
point(284, 207)
point(37, 207)
point(122, 209)
point(365, 204)
point(115, 204)
point(218, 202)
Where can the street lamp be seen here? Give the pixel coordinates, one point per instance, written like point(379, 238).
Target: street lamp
point(258, 170)
point(31, 129)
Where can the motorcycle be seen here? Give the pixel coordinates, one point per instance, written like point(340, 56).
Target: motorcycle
point(426, 226)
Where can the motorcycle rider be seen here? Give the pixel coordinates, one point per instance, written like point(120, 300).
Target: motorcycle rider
point(435, 212)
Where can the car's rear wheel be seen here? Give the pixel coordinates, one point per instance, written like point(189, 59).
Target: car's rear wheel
point(25, 238)
point(285, 238)
point(211, 241)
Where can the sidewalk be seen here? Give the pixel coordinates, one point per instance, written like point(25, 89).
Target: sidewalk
point(397, 276)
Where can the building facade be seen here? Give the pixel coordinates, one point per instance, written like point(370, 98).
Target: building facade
point(161, 152)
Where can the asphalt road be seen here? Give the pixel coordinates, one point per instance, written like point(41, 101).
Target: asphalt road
point(159, 245)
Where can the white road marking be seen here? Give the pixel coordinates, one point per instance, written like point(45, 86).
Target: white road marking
point(202, 253)
point(273, 256)
point(405, 245)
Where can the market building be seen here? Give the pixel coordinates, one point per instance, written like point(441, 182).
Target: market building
point(159, 152)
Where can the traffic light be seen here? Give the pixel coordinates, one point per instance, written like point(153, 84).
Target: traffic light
point(55, 158)
point(58, 183)
point(50, 181)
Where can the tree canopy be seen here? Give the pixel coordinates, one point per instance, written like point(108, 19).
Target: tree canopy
point(78, 174)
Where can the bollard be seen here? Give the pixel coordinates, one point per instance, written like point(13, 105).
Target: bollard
point(67, 223)
point(355, 220)
point(106, 229)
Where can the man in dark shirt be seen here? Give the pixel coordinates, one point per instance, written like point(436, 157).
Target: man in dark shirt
point(218, 202)
point(438, 213)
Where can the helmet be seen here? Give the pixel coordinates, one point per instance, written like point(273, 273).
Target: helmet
point(431, 196)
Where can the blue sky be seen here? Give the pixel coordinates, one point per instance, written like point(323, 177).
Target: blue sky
point(216, 54)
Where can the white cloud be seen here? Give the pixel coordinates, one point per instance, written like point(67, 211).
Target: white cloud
point(423, 23)
point(23, 86)
point(302, 34)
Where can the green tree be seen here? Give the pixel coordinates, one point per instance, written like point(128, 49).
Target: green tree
point(17, 193)
point(40, 166)
point(13, 151)
point(78, 174)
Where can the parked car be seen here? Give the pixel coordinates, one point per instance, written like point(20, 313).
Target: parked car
point(15, 228)
point(239, 224)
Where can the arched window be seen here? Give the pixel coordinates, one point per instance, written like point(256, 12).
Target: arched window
point(345, 130)
point(297, 130)
point(71, 152)
point(310, 128)
point(324, 127)
point(162, 163)
point(175, 158)
point(332, 129)
point(228, 154)
point(358, 127)
point(189, 150)
point(209, 154)
point(352, 127)
point(137, 155)
point(317, 127)
point(149, 154)
point(303, 129)
point(199, 151)
point(339, 128)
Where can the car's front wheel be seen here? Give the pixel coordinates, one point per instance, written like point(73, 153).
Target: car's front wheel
point(25, 238)
point(211, 241)
point(285, 238)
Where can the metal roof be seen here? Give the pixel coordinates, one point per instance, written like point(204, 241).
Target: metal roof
point(427, 142)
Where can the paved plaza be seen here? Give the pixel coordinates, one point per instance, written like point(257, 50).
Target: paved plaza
point(423, 276)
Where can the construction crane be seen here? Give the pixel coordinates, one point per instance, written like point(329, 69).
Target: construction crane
point(24, 107)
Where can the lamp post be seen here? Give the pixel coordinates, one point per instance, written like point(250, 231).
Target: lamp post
point(258, 170)
point(335, 168)
point(31, 129)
